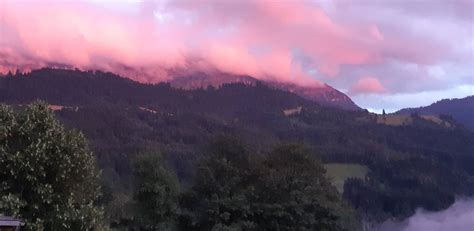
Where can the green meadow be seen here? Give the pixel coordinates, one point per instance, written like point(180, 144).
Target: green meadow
point(339, 173)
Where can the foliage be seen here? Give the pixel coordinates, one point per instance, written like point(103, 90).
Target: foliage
point(219, 199)
point(460, 109)
point(294, 194)
point(156, 192)
point(120, 117)
point(285, 191)
point(49, 177)
point(396, 187)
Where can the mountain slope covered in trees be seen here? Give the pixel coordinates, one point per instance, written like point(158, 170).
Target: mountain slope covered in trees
point(461, 110)
point(322, 94)
point(420, 164)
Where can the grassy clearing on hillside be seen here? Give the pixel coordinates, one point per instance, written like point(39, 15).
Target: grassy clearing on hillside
point(338, 173)
point(394, 120)
point(436, 119)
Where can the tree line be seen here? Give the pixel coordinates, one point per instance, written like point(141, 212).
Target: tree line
point(417, 165)
point(50, 180)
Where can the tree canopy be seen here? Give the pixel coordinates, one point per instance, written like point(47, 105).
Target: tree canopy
point(49, 176)
point(156, 192)
point(286, 190)
point(419, 163)
point(295, 194)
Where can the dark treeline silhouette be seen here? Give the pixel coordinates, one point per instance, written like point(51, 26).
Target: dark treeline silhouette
point(421, 164)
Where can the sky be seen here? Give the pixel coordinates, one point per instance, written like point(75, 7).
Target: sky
point(387, 54)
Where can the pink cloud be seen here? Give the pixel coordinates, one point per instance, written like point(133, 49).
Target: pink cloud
point(367, 85)
point(375, 33)
point(150, 38)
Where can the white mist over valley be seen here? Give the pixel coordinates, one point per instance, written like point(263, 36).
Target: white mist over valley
point(458, 217)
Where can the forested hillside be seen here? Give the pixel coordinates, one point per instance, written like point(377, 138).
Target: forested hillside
point(421, 164)
point(461, 110)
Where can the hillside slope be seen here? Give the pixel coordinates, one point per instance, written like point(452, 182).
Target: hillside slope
point(417, 164)
point(461, 110)
point(322, 94)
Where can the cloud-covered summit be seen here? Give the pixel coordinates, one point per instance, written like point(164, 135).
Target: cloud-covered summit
point(367, 48)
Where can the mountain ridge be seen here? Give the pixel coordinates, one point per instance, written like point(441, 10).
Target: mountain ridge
point(461, 109)
point(323, 94)
point(121, 117)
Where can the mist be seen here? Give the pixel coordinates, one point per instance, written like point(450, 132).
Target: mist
point(458, 217)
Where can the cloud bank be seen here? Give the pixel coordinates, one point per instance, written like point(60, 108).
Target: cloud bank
point(366, 48)
point(459, 217)
point(367, 85)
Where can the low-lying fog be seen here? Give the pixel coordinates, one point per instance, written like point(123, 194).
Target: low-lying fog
point(458, 217)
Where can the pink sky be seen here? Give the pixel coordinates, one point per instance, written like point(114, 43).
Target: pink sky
point(379, 52)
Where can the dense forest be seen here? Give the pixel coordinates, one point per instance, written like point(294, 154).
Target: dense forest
point(421, 164)
point(50, 180)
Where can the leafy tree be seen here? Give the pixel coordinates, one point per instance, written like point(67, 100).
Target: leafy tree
point(286, 191)
point(156, 192)
point(418, 164)
point(294, 194)
point(49, 176)
point(219, 198)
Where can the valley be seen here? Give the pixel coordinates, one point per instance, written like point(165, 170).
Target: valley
point(393, 160)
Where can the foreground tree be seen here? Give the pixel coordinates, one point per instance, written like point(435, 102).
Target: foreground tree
point(156, 192)
point(287, 190)
point(219, 199)
point(49, 176)
point(294, 194)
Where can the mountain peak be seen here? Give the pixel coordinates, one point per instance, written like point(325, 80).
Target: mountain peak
point(322, 94)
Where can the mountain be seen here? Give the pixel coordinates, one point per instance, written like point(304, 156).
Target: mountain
point(323, 94)
point(408, 165)
point(461, 110)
